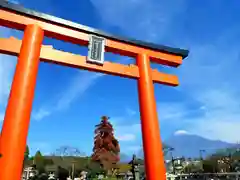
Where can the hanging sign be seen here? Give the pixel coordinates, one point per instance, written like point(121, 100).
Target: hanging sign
point(96, 50)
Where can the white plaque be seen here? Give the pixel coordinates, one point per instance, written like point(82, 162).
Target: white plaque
point(96, 49)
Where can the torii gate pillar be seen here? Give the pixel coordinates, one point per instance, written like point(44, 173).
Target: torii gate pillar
point(17, 117)
point(152, 146)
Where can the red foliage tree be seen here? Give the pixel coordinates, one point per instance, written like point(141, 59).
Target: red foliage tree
point(106, 147)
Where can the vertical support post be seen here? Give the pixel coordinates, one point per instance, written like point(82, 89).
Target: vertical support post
point(152, 146)
point(18, 111)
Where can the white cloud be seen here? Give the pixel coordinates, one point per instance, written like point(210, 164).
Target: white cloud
point(1, 117)
point(181, 132)
point(130, 112)
point(125, 131)
point(40, 114)
point(74, 90)
point(78, 86)
point(154, 21)
point(209, 76)
point(221, 128)
point(171, 111)
point(134, 149)
point(219, 118)
point(126, 137)
point(222, 116)
point(7, 66)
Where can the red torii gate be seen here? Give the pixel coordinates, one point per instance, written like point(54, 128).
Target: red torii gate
point(30, 50)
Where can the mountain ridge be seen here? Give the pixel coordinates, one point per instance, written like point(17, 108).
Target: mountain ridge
point(192, 146)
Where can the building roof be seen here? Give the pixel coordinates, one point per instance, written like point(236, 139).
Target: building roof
point(55, 20)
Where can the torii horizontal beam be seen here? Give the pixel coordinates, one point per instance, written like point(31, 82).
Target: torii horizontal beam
point(17, 17)
point(12, 46)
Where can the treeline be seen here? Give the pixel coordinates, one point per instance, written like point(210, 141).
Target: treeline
point(223, 161)
point(63, 166)
point(104, 159)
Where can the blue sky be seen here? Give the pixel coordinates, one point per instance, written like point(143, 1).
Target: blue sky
point(69, 102)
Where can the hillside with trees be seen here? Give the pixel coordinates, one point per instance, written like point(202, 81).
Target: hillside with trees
point(68, 160)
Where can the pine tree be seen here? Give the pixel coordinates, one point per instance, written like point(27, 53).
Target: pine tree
point(26, 153)
point(106, 147)
point(39, 162)
point(26, 156)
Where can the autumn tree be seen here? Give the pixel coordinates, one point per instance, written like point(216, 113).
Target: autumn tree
point(106, 147)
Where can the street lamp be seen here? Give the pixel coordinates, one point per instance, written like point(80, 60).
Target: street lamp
point(171, 149)
point(201, 151)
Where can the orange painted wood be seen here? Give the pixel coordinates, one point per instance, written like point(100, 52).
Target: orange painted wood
point(152, 145)
point(17, 117)
point(12, 46)
point(17, 21)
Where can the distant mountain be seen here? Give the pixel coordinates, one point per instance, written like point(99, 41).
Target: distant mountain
point(189, 145)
